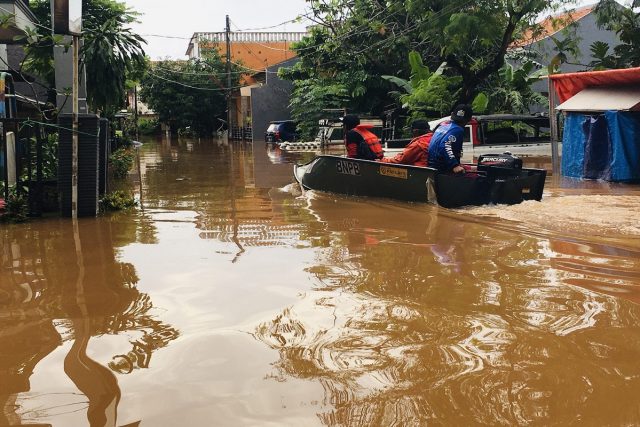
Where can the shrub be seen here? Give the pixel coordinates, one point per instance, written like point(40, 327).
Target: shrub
point(116, 201)
point(148, 126)
point(16, 207)
point(121, 162)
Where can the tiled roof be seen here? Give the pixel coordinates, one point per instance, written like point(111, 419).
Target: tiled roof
point(552, 24)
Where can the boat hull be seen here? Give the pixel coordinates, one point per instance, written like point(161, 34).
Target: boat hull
point(356, 177)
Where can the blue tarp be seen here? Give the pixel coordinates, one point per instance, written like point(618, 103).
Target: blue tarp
point(603, 146)
point(624, 130)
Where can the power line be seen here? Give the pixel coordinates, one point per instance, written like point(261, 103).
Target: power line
point(205, 74)
point(26, 20)
point(290, 21)
point(254, 69)
point(165, 37)
point(407, 30)
point(193, 87)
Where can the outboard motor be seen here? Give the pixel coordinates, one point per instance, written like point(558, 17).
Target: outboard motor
point(504, 164)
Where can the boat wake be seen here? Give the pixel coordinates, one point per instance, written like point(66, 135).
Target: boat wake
point(293, 189)
point(607, 216)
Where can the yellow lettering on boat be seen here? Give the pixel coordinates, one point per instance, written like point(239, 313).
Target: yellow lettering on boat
point(393, 172)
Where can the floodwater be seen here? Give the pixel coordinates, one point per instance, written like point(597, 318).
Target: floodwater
point(230, 299)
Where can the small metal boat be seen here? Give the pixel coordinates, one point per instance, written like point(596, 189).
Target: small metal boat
point(491, 184)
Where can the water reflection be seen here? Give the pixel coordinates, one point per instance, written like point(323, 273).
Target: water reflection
point(288, 309)
point(62, 283)
point(421, 316)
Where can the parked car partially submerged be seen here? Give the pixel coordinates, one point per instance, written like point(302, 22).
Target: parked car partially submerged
point(332, 132)
point(505, 129)
point(281, 131)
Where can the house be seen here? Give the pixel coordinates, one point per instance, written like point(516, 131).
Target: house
point(270, 101)
point(260, 54)
point(540, 43)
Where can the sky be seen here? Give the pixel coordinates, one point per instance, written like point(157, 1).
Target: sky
point(163, 18)
point(180, 19)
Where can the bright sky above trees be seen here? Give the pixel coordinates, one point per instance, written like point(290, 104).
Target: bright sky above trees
point(160, 17)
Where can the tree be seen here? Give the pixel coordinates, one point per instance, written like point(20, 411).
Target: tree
point(188, 94)
point(110, 51)
point(355, 42)
point(511, 91)
point(426, 93)
point(626, 24)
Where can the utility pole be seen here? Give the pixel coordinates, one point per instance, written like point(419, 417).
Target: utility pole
point(135, 107)
point(555, 156)
point(228, 39)
point(74, 136)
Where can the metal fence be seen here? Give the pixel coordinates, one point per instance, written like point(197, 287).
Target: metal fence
point(241, 133)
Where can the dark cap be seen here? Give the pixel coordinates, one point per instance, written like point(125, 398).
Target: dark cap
point(350, 121)
point(421, 125)
point(462, 113)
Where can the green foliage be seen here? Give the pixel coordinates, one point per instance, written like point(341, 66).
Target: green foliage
point(16, 207)
point(310, 97)
point(358, 49)
point(121, 162)
point(480, 103)
point(116, 201)
point(110, 52)
point(148, 126)
point(188, 94)
point(50, 156)
point(426, 93)
point(510, 90)
point(625, 21)
point(602, 58)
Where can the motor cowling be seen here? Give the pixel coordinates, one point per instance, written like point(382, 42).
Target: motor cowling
point(500, 164)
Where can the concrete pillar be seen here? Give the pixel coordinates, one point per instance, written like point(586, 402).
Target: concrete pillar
point(64, 79)
point(11, 159)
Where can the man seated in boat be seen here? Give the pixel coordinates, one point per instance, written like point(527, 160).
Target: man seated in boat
point(361, 143)
point(445, 149)
point(415, 153)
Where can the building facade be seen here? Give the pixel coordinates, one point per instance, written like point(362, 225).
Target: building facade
point(257, 53)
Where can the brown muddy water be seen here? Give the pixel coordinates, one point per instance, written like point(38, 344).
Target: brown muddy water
point(231, 299)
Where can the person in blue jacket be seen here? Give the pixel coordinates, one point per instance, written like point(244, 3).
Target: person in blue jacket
point(445, 149)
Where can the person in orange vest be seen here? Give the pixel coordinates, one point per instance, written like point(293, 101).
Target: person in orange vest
point(415, 153)
point(361, 143)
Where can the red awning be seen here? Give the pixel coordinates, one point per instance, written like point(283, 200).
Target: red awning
point(570, 84)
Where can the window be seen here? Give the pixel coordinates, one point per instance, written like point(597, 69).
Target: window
point(516, 131)
point(336, 134)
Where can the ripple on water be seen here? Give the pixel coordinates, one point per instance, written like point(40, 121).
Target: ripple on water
point(587, 215)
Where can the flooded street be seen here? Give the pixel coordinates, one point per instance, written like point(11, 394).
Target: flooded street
point(231, 299)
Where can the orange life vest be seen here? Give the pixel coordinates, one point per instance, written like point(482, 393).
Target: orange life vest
point(370, 138)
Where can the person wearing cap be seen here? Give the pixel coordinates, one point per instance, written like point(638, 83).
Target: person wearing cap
point(415, 153)
point(445, 149)
point(361, 143)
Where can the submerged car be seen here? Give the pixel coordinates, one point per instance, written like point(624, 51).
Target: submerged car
point(505, 129)
point(281, 131)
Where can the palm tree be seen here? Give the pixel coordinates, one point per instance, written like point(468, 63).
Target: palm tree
point(110, 51)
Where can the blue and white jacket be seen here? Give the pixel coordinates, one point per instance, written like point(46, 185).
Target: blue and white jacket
point(445, 149)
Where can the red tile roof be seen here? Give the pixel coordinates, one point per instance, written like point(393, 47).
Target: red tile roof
point(551, 25)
